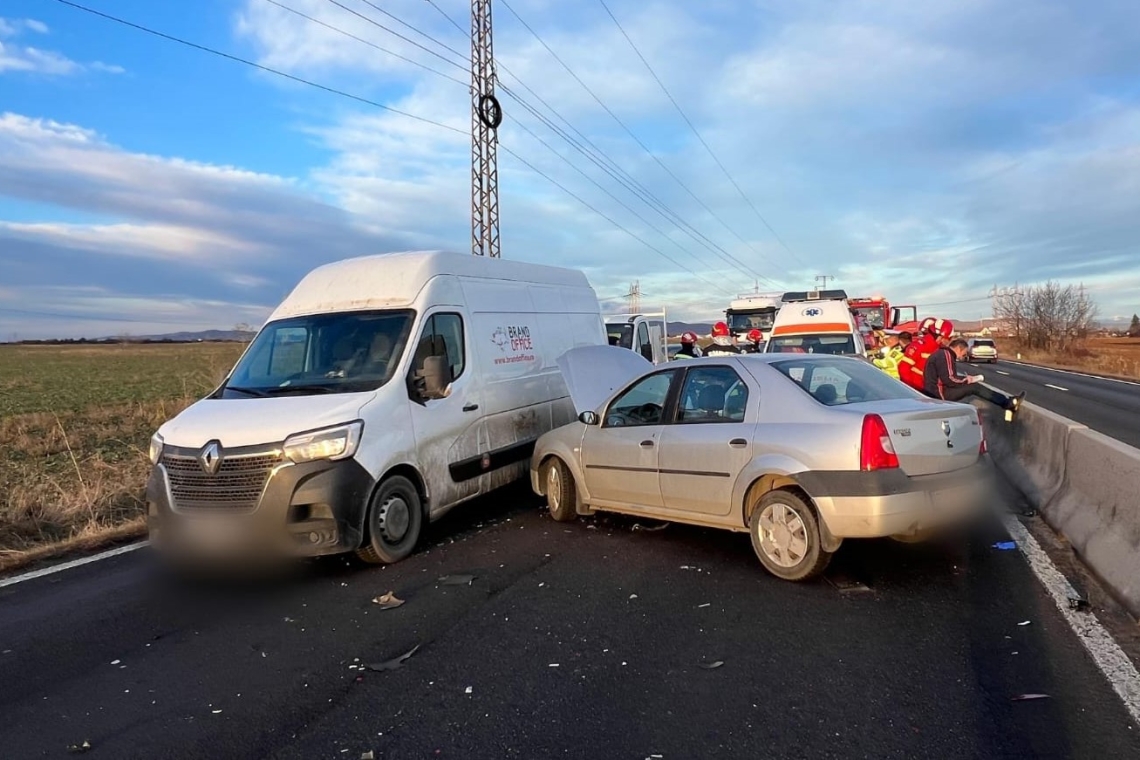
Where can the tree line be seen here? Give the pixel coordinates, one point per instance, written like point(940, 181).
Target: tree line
point(1050, 317)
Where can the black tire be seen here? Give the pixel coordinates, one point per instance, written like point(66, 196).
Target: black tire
point(395, 521)
point(799, 521)
point(561, 492)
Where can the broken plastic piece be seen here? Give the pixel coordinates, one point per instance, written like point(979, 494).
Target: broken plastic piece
point(467, 690)
point(84, 747)
point(388, 601)
point(1026, 697)
point(1023, 622)
point(712, 665)
point(639, 526)
point(1005, 546)
point(395, 663)
point(369, 755)
point(456, 580)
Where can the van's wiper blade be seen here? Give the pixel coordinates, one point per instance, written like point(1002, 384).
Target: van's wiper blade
point(256, 392)
point(303, 388)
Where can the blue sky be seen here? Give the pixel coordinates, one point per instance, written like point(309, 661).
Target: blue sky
point(927, 151)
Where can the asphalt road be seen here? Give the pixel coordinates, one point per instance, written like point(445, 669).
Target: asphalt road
point(1109, 406)
point(570, 642)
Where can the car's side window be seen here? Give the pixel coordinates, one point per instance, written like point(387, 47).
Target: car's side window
point(712, 394)
point(643, 403)
point(443, 336)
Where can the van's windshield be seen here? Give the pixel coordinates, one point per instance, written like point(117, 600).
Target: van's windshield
point(842, 343)
point(347, 352)
point(620, 334)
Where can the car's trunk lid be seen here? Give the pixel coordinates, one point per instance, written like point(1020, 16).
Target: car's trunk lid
point(930, 437)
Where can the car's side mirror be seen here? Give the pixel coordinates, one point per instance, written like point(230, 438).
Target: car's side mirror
point(435, 377)
point(588, 418)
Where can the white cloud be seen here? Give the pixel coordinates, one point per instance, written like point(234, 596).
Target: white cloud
point(107, 68)
point(33, 60)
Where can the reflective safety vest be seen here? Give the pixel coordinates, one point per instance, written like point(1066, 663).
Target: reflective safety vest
point(888, 361)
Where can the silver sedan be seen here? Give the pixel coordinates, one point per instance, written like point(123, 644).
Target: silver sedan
point(801, 451)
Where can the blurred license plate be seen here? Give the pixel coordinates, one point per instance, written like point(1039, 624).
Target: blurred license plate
point(954, 498)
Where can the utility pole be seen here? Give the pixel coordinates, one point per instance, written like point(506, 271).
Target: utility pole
point(825, 278)
point(634, 296)
point(486, 116)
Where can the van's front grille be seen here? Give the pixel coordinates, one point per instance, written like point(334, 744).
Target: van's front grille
point(235, 487)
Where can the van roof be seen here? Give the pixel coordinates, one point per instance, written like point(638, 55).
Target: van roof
point(393, 280)
point(813, 317)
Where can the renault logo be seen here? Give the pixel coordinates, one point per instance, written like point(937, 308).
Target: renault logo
point(211, 457)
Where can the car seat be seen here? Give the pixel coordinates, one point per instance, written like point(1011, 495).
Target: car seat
point(711, 400)
point(826, 394)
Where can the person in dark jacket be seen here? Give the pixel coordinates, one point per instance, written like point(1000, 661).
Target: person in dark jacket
point(942, 380)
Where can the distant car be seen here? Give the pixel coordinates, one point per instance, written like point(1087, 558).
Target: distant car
point(801, 451)
point(981, 350)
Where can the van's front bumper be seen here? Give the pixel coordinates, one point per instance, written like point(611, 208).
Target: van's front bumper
point(889, 503)
point(302, 510)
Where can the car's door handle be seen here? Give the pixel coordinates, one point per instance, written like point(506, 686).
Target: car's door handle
point(647, 444)
point(470, 407)
point(738, 443)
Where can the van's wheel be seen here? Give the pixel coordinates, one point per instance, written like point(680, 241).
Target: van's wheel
point(561, 495)
point(395, 519)
point(785, 536)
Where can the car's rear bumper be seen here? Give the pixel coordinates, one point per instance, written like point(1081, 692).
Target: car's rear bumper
point(888, 503)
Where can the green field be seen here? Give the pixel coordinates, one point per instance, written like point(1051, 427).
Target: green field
point(75, 422)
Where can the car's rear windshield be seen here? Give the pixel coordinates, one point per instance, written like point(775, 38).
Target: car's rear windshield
point(986, 343)
point(842, 343)
point(837, 381)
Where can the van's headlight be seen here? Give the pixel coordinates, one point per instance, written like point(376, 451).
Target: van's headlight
point(338, 442)
point(155, 448)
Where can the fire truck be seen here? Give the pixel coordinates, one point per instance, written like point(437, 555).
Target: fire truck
point(752, 311)
point(876, 312)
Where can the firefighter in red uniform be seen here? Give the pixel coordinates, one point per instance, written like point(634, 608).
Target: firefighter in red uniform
point(723, 344)
point(755, 338)
point(912, 366)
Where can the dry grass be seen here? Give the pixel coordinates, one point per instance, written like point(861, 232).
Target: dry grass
point(75, 423)
point(1119, 357)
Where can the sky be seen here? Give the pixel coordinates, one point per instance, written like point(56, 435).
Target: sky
point(923, 151)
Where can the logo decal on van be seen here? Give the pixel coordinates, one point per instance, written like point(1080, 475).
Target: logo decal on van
point(515, 341)
point(812, 311)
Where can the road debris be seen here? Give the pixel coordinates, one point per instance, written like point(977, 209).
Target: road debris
point(1078, 603)
point(456, 580)
point(468, 690)
point(651, 528)
point(216, 712)
point(369, 755)
point(115, 662)
point(1027, 697)
point(388, 601)
point(393, 664)
point(1005, 546)
point(553, 665)
point(1024, 623)
point(712, 665)
point(633, 596)
point(84, 747)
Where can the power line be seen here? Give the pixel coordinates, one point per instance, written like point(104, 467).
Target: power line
point(393, 32)
point(696, 132)
point(602, 160)
point(633, 235)
point(369, 43)
point(357, 98)
point(267, 69)
point(630, 132)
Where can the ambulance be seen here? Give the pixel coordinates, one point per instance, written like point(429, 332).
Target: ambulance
point(816, 322)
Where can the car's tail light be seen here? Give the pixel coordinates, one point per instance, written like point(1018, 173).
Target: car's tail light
point(876, 452)
point(982, 448)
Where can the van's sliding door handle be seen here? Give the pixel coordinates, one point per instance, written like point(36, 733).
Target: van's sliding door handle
point(470, 407)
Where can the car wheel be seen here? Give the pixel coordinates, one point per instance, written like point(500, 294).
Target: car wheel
point(395, 520)
point(785, 536)
point(561, 494)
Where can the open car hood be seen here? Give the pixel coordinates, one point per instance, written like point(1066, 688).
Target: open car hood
point(593, 373)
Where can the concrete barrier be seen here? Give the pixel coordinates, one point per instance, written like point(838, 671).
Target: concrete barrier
point(1085, 485)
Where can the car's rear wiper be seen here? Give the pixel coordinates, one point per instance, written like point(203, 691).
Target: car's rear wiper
point(257, 392)
point(302, 388)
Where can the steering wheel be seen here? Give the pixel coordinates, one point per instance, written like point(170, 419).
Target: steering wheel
point(648, 412)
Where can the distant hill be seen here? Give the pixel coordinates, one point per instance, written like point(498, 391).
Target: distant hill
point(192, 337)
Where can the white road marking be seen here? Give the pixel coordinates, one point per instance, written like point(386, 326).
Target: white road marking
point(74, 563)
point(1055, 387)
point(1106, 653)
point(1001, 373)
point(1078, 374)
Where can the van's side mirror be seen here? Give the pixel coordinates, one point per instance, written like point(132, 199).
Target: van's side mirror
point(588, 418)
point(435, 377)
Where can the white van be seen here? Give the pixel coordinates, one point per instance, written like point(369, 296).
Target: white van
point(816, 322)
point(381, 393)
point(647, 334)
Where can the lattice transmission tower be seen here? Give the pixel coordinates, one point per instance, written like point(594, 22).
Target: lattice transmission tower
point(486, 116)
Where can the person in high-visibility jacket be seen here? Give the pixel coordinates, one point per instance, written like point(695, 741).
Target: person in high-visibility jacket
point(890, 355)
point(912, 368)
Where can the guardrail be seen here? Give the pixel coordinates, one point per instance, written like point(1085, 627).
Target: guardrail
point(1083, 483)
